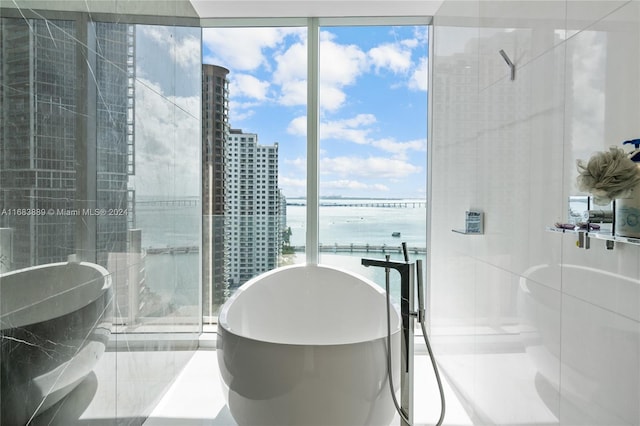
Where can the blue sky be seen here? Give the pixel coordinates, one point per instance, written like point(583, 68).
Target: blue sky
point(373, 118)
point(372, 96)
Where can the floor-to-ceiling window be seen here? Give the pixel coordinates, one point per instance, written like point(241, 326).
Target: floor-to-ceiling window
point(372, 143)
point(339, 109)
point(253, 167)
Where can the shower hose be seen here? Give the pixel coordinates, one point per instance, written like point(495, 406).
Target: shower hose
point(429, 350)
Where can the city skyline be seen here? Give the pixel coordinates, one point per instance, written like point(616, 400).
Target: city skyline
point(42, 141)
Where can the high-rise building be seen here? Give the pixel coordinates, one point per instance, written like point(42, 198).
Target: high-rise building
point(54, 167)
point(253, 206)
point(215, 126)
point(283, 213)
point(115, 75)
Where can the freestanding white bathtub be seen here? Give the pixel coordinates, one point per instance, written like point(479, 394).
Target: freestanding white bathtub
point(55, 321)
point(306, 345)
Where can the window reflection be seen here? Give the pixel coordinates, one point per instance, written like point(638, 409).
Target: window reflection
point(166, 185)
point(38, 145)
point(92, 129)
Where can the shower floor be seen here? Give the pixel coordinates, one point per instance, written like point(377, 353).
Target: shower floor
point(490, 370)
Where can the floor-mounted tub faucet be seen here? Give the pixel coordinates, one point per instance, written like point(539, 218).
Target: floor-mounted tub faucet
point(407, 271)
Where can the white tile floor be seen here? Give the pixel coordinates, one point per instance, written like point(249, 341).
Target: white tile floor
point(196, 397)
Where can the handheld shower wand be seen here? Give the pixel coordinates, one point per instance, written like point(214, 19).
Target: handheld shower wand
point(422, 319)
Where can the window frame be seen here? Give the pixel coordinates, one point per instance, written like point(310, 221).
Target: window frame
point(313, 25)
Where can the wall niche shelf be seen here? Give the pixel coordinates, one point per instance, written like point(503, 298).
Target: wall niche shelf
point(584, 237)
point(473, 223)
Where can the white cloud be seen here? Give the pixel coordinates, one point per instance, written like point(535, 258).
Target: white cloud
point(239, 111)
point(236, 117)
point(289, 182)
point(291, 74)
point(188, 52)
point(371, 167)
point(353, 185)
point(410, 43)
point(340, 66)
point(293, 93)
point(420, 76)
point(167, 142)
point(331, 97)
point(398, 58)
point(294, 186)
point(394, 56)
point(421, 34)
point(380, 187)
point(299, 163)
point(349, 129)
point(400, 150)
point(242, 49)
point(184, 51)
point(291, 64)
point(357, 129)
point(298, 126)
point(350, 173)
point(249, 86)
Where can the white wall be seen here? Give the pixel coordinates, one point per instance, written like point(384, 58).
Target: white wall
point(528, 327)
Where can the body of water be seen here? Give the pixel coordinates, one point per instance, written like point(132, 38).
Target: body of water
point(344, 224)
point(175, 277)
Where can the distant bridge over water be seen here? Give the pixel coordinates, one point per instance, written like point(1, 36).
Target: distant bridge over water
point(362, 248)
point(177, 202)
point(373, 203)
point(325, 248)
point(172, 250)
point(194, 202)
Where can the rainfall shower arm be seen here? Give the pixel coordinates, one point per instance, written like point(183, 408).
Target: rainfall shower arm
point(509, 62)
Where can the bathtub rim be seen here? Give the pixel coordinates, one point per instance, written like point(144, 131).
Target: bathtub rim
point(106, 285)
point(91, 265)
point(298, 345)
point(224, 311)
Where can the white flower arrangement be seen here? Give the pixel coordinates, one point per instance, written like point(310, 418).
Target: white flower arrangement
point(608, 175)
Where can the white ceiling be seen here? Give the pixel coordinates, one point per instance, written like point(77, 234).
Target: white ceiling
point(208, 9)
point(212, 9)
